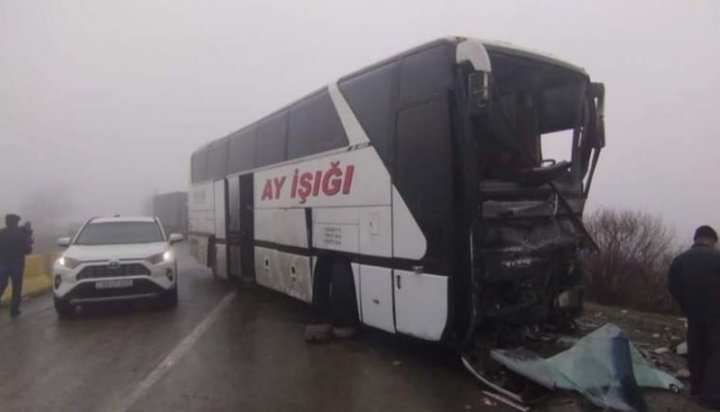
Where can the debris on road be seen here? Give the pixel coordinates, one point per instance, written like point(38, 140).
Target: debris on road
point(604, 367)
point(489, 402)
point(508, 402)
point(318, 333)
point(681, 349)
point(683, 373)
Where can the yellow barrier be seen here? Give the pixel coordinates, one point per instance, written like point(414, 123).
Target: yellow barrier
point(35, 278)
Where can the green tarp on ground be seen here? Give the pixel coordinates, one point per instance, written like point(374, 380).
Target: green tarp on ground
point(604, 367)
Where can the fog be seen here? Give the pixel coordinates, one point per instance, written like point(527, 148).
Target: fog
point(102, 102)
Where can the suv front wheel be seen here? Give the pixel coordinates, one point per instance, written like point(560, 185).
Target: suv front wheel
point(170, 298)
point(64, 309)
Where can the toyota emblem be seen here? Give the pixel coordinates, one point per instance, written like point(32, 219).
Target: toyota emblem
point(114, 264)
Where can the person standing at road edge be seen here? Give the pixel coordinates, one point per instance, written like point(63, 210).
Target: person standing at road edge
point(694, 282)
point(15, 243)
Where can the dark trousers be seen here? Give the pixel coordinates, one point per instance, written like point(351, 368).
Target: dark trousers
point(14, 273)
point(334, 298)
point(703, 339)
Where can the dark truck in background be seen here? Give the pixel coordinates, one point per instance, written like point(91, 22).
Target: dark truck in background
point(172, 210)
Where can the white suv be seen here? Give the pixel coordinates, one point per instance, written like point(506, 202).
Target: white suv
point(115, 259)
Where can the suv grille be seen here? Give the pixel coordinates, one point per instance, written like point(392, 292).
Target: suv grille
point(104, 271)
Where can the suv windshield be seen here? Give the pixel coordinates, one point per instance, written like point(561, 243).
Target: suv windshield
point(117, 233)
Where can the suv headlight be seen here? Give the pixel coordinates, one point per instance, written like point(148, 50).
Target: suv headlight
point(67, 262)
point(166, 256)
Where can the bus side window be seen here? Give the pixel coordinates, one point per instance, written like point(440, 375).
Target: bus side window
point(242, 150)
point(199, 163)
point(423, 170)
point(423, 163)
point(271, 141)
point(195, 167)
point(218, 159)
point(373, 97)
point(426, 74)
point(314, 127)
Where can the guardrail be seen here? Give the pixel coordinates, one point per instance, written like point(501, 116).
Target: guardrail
point(36, 278)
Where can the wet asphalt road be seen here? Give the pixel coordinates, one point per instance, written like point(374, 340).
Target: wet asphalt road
point(221, 349)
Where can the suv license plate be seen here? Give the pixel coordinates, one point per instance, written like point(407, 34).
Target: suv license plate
point(112, 284)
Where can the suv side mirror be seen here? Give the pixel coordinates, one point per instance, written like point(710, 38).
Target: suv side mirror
point(175, 238)
point(63, 242)
point(478, 93)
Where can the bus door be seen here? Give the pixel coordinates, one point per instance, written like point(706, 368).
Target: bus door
point(233, 226)
point(240, 227)
point(247, 228)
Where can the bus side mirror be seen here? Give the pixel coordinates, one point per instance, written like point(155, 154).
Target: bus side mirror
point(478, 93)
point(597, 93)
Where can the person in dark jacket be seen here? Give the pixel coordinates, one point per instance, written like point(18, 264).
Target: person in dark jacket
point(15, 243)
point(694, 282)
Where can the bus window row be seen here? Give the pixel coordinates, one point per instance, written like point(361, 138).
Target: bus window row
point(308, 127)
point(312, 125)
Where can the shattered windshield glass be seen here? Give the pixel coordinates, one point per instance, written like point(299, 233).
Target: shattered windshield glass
point(532, 101)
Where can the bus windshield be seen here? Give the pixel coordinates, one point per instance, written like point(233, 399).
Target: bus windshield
point(532, 101)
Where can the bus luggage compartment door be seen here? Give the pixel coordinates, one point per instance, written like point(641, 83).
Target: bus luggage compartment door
point(376, 297)
point(421, 306)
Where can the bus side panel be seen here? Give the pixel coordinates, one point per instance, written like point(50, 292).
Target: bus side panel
point(408, 240)
point(199, 248)
point(282, 227)
point(352, 178)
point(358, 290)
point(201, 216)
point(220, 231)
point(363, 230)
point(284, 272)
point(219, 210)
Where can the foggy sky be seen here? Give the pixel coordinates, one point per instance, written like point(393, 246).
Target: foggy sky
point(103, 101)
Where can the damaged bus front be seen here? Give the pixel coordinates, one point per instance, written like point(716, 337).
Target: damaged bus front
point(522, 110)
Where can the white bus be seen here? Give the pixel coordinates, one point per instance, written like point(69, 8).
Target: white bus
point(419, 188)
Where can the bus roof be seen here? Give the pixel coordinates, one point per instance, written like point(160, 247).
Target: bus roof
point(490, 46)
